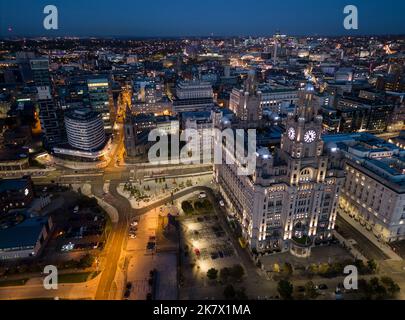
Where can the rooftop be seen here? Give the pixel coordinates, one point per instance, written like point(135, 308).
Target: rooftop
point(22, 235)
point(13, 184)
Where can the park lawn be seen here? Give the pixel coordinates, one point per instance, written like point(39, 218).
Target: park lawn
point(13, 283)
point(76, 277)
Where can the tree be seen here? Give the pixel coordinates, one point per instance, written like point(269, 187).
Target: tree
point(392, 288)
point(310, 290)
point(229, 292)
point(372, 265)
point(225, 274)
point(285, 289)
point(378, 289)
point(237, 272)
point(212, 274)
point(361, 266)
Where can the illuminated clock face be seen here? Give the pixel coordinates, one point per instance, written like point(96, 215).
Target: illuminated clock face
point(310, 136)
point(291, 133)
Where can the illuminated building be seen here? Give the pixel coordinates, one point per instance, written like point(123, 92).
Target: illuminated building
point(193, 96)
point(137, 128)
point(364, 114)
point(15, 193)
point(85, 129)
point(247, 103)
point(50, 114)
point(290, 202)
point(374, 188)
point(100, 100)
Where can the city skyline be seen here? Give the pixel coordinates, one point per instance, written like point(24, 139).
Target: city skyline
point(221, 19)
point(196, 151)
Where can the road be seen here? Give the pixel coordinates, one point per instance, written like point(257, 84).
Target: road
point(117, 237)
point(71, 291)
point(367, 248)
point(120, 230)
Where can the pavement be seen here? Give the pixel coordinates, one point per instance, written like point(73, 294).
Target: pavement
point(373, 249)
point(71, 291)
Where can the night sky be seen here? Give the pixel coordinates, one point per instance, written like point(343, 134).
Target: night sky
point(163, 18)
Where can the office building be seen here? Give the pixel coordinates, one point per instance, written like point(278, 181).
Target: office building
point(40, 72)
point(374, 188)
point(202, 124)
point(50, 114)
point(85, 129)
point(100, 99)
point(137, 128)
point(290, 202)
point(51, 118)
point(193, 96)
point(364, 114)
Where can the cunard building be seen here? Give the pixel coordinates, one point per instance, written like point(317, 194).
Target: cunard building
point(290, 202)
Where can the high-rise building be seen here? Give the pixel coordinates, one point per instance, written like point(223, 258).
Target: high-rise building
point(50, 114)
point(85, 129)
point(290, 202)
point(40, 72)
point(193, 96)
point(100, 100)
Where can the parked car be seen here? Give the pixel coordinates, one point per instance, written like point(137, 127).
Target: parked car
point(202, 195)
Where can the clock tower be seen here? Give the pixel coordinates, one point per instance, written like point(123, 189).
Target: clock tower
point(301, 144)
point(290, 202)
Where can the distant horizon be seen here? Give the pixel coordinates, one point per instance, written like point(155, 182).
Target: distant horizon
point(115, 37)
point(194, 18)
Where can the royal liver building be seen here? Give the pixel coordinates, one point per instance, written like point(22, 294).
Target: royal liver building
point(289, 203)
